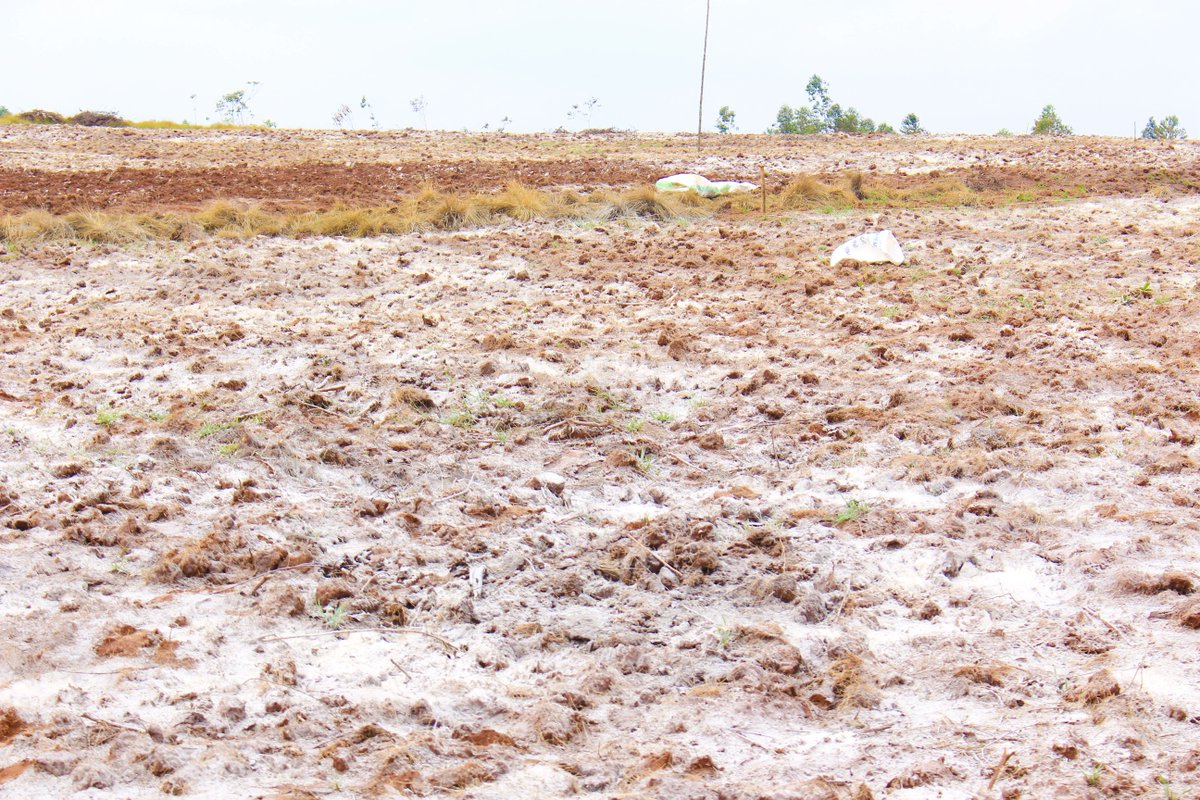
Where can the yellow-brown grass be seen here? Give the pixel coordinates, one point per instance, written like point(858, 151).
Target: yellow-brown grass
point(935, 192)
point(806, 192)
point(32, 227)
point(427, 210)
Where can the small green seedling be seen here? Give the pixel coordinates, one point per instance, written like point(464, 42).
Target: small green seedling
point(460, 418)
point(107, 417)
point(1168, 792)
point(1092, 775)
point(853, 512)
point(209, 428)
point(332, 617)
point(634, 425)
point(645, 461)
point(662, 416)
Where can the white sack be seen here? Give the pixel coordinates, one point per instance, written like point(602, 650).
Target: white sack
point(690, 182)
point(870, 248)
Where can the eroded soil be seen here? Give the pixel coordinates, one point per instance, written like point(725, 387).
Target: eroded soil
point(619, 510)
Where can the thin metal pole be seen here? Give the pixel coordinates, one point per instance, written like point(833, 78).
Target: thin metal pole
point(703, 65)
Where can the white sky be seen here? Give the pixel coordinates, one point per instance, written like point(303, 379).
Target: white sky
point(971, 66)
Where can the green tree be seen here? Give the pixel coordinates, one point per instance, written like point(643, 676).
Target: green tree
point(725, 117)
point(818, 95)
point(1167, 129)
point(797, 120)
point(821, 115)
point(3, 111)
point(885, 128)
point(1050, 124)
point(911, 126)
point(234, 107)
point(849, 121)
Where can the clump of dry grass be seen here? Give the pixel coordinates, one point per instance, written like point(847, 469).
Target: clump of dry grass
point(237, 221)
point(33, 227)
point(523, 204)
point(645, 202)
point(343, 220)
point(97, 226)
point(806, 192)
point(932, 192)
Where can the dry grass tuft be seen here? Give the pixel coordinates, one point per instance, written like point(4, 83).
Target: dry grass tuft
point(412, 396)
point(857, 181)
point(236, 221)
point(935, 192)
point(33, 227)
point(523, 204)
point(644, 202)
point(806, 192)
point(97, 226)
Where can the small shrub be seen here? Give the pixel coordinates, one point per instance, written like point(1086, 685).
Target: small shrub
point(99, 119)
point(41, 117)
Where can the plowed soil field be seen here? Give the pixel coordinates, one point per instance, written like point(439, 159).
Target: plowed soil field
point(621, 509)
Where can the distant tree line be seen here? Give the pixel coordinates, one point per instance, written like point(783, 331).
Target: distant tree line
point(823, 115)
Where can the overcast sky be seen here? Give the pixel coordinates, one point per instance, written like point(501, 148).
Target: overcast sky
point(970, 66)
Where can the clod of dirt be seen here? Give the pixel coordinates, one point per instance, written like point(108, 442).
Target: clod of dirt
point(365, 507)
point(711, 441)
point(412, 396)
point(620, 458)
point(554, 724)
point(702, 766)
point(1099, 686)
point(464, 775)
point(923, 775)
point(125, 641)
point(329, 591)
point(990, 675)
point(852, 687)
point(67, 469)
point(551, 481)
point(781, 587)
point(14, 771)
point(1189, 615)
point(677, 349)
point(492, 342)
point(90, 775)
point(484, 737)
point(11, 725)
point(1170, 581)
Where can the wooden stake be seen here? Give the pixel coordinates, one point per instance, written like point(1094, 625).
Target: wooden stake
point(762, 184)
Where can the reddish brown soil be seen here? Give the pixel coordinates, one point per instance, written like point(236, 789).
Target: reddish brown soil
point(296, 186)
